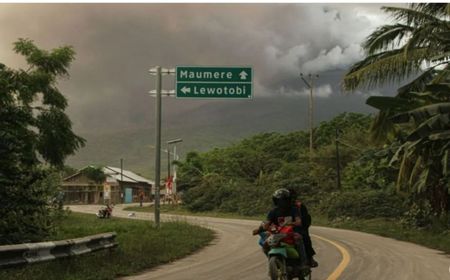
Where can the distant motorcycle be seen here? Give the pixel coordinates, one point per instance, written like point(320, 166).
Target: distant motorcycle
point(105, 212)
point(284, 259)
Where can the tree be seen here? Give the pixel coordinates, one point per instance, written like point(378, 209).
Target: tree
point(95, 174)
point(418, 116)
point(397, 51)
point(35, 138)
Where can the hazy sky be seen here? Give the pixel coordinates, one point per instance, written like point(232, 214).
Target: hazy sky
point(116, 44)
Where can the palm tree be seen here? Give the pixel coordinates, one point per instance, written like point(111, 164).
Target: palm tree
point(421, 108)
point(396, 52)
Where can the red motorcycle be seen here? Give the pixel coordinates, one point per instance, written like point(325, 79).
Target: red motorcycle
point(284, 259)
point(105, 212)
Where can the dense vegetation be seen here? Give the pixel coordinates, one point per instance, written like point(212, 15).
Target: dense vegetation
point(241, 178)
point(35, 138)
point(417, 120)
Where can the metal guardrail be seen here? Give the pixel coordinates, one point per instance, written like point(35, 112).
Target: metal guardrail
point(21, 254)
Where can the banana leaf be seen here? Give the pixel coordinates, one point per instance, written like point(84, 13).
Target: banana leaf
point(423, 113)
point(428, 127)
point(384, 103)
point(422, 181)
point(445, 164)
point(443, 135)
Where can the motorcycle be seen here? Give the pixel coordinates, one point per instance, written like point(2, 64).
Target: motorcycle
point(284, 259)
point(105, 212)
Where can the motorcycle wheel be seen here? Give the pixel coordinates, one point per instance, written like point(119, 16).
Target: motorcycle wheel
point(277, 268)
point(307, 276)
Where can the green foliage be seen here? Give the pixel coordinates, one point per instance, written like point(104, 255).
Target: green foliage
point(33, 128)
point(395, 52)
point(94, 173)
point(29, 207)
point(353, 123)
point(422, 156)
point(68, 171)
point(419, 214)
point(363, 204)
point(241, 178)
point(370, 171)
point(418, 117)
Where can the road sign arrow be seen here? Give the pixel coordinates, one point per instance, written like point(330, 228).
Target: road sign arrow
point(243, 75)
point(185, 90)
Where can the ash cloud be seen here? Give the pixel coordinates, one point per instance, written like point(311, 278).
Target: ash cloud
point(116, 44)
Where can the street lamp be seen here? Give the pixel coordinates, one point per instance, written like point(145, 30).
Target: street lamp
point(170, 142)
point(310, 86)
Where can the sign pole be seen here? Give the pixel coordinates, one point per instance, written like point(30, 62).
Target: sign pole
point(158, 92)
point(158, 146)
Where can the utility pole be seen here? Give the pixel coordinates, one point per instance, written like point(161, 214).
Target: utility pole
point(121, 181)
point(121, 169)
point(310, 86)
point(338, 164)
point(158, 72)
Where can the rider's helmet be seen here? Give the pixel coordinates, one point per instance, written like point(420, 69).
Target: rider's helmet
point(282, 198)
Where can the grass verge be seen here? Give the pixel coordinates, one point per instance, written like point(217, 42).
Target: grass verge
point(380, 226)
point(392, 228)
point(180, 210)
point(141, 246)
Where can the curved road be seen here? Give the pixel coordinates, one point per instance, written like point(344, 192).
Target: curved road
point(342, 254)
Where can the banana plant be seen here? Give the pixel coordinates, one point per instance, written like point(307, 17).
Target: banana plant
point(419, 115)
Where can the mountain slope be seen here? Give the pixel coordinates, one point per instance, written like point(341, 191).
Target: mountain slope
point(212, 124)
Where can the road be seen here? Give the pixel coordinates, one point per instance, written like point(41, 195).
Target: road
point(342, 254)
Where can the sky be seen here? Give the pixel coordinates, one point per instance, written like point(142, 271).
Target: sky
point(116, 44)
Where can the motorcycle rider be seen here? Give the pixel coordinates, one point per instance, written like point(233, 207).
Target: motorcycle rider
point(105, 212)
point(303, 229)
point(284, 213)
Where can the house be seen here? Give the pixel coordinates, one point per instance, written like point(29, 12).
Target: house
point(118, 186)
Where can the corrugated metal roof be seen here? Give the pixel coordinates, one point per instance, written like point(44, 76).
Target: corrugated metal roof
point(128, 176)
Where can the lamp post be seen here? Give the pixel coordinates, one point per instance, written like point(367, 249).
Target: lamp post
point(310, 86)
point(170, 142)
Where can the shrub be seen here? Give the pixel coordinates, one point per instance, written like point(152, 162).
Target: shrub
point(420, 215)
point(371, 170)
point(29, 210)
point(362, 204)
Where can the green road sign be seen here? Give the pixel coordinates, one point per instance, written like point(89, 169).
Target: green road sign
point(213, 82)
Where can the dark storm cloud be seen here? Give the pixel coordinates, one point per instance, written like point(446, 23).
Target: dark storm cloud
point(116, 44)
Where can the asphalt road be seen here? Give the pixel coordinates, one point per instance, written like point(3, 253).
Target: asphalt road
point(342, 254)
